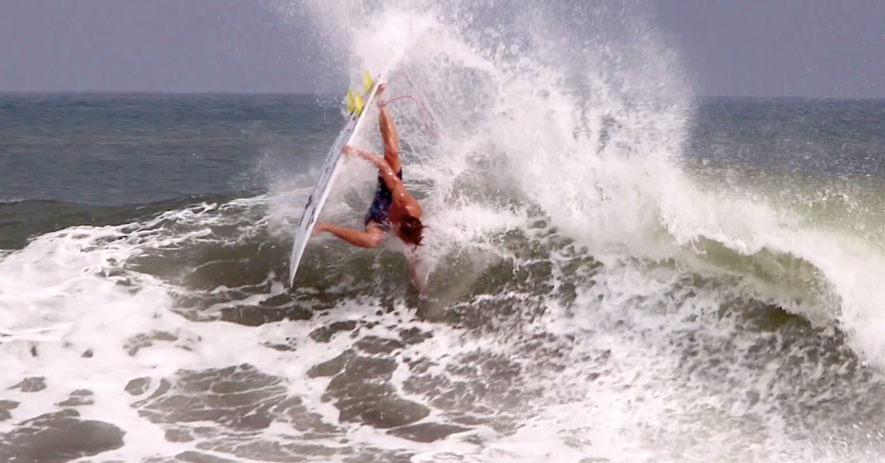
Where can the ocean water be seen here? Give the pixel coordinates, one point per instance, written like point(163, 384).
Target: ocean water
point(618, 270)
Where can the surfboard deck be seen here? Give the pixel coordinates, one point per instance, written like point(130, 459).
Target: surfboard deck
point(330, 169)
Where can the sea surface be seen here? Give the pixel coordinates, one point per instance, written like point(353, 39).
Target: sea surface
point(618, 270)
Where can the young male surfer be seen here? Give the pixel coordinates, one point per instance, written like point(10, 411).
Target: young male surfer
point(393, 209)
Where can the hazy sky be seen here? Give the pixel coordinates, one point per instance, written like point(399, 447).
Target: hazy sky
point(731, 47)
point(148, 45)
point(833, 48)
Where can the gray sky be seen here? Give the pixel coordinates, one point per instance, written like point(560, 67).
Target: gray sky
point(148, 45)
point(826, 48)
point(832, 48)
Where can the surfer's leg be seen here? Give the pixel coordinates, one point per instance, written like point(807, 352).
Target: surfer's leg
point(391, 140)
point(365, 239)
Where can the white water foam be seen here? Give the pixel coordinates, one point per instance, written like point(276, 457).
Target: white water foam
point(74, 316)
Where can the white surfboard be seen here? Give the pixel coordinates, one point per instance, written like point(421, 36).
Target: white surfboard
point(331, 166)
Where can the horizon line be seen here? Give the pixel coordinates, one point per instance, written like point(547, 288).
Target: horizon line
point(152, 92)
point(323, 94)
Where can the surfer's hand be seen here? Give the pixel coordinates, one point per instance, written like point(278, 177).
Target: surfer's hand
point(381, 88)
point(318, 228)
point(348, 152)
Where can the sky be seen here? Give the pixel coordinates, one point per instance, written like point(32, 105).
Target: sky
point(149, 45)
point(813, 48)
point(809, 48)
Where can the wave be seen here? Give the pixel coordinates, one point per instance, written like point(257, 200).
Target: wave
point(580, 122)
point(527, 293)
point(22, 220)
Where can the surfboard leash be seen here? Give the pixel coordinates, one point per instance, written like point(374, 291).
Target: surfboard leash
point(430, 127)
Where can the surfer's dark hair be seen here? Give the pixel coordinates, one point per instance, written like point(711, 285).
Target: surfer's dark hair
point(411, 230)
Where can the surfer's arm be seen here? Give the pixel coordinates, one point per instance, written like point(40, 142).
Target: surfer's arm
point(391, 139)
point(384, 170)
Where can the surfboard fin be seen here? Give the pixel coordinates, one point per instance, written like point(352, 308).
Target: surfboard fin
point(351, 102)
point(369, 82)
point(359, 104)
point(355, 103)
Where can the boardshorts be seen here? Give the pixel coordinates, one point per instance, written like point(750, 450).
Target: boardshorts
point(380, 209)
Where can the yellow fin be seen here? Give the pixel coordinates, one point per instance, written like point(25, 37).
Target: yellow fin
point(359, 104)
point(351, 102)
point(367, 78)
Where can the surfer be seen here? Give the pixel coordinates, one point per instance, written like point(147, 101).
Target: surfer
point(394, 209)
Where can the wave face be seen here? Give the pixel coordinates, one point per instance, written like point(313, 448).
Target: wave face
point(618, 271)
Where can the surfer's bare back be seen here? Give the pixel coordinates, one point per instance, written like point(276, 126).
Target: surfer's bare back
point(393, 209)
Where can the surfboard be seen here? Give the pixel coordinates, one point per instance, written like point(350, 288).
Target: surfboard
point(356, 105)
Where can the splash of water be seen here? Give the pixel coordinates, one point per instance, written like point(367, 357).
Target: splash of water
point(576, 113)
